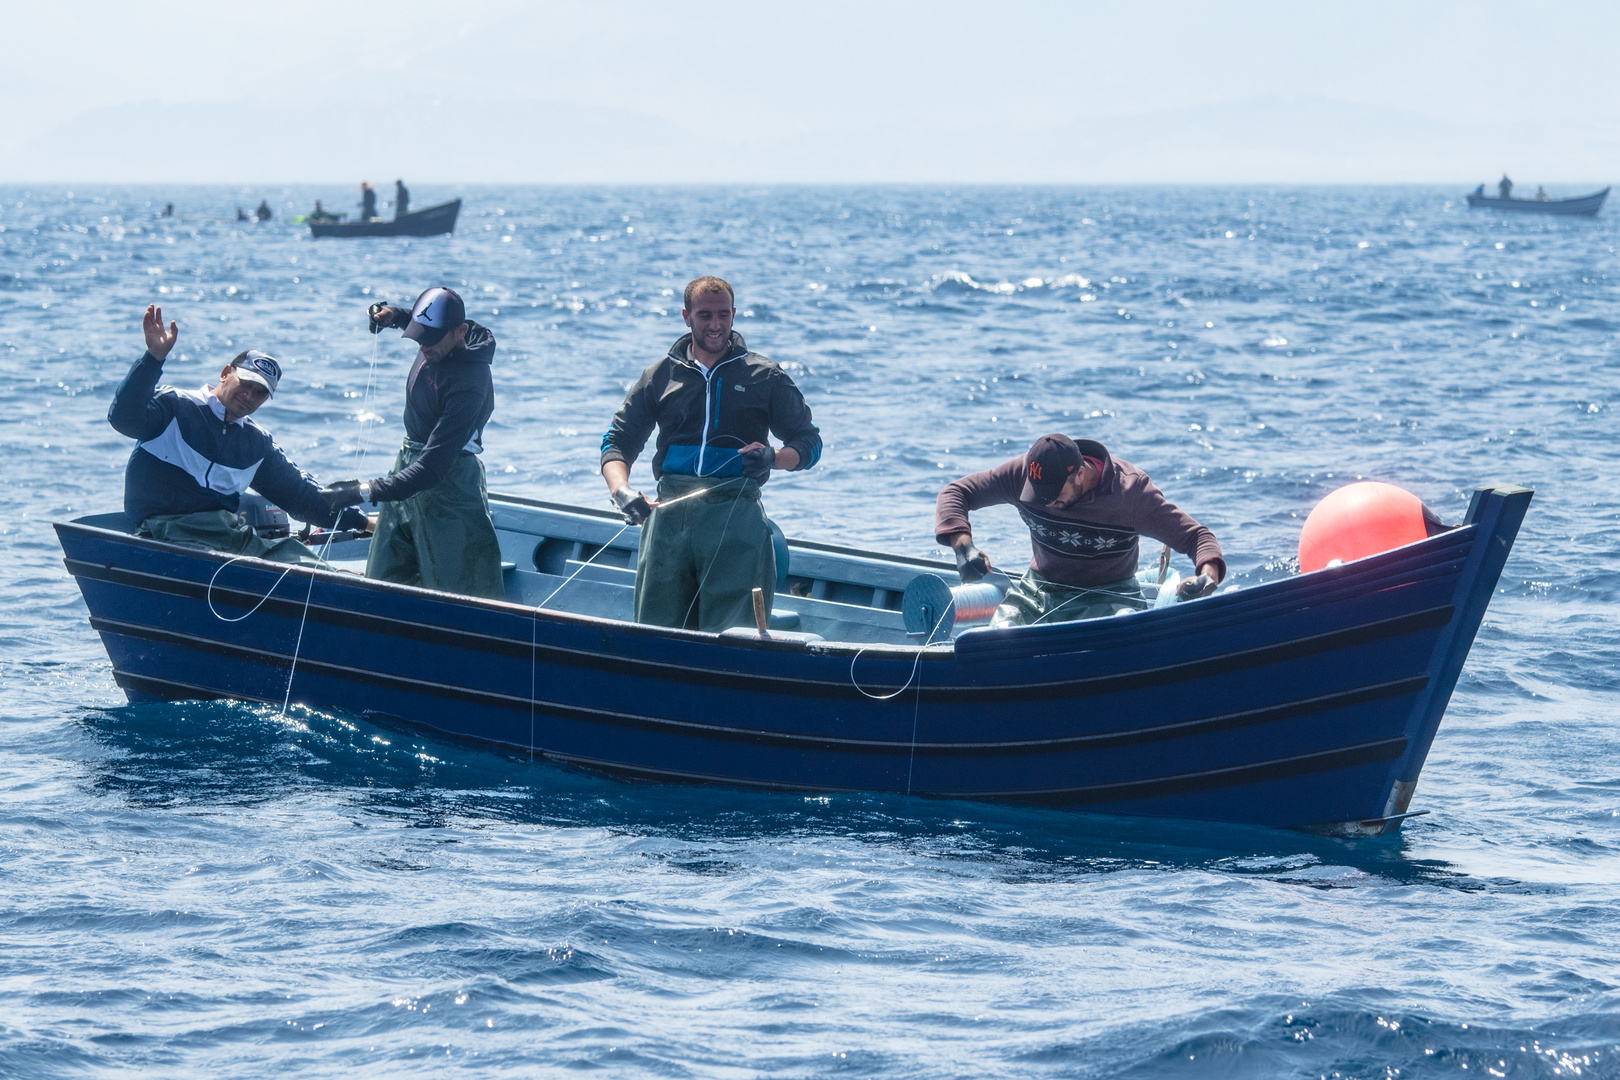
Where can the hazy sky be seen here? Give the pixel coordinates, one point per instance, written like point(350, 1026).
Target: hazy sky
point(841, 90)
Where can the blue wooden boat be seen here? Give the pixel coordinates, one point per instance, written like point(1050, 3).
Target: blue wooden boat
point(1309, 701)
point(431, 221)
point(1585, 205)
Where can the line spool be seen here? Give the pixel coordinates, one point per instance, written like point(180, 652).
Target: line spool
point(928, 603)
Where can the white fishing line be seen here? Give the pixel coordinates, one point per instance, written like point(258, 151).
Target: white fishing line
point(534, 612)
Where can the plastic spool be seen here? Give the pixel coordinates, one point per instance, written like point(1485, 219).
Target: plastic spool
point(933, 609)
point(1359, 520)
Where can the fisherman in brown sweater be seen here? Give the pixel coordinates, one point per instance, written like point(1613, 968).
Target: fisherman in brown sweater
point(1085, 510)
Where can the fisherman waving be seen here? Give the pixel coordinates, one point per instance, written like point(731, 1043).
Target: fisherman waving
point(199, 450)
point(715, 404)
point(434, 529)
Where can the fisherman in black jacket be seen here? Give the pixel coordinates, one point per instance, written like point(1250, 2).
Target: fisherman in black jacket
point(715, 405)
point(434, 529)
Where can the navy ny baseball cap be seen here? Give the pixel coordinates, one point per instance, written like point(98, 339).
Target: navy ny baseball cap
point(1048, 466)
point(436, 312)
point(258, 367)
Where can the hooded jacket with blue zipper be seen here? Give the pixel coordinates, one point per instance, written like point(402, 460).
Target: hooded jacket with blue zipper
point(191, 459)
point(704, 416)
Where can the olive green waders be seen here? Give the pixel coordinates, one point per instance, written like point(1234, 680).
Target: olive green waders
point(221, 530)
point(440, 538)
point(702, 558)
point(1034, 599)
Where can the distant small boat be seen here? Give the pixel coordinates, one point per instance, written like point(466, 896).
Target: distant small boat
point(434, 221)
point(1581, 204)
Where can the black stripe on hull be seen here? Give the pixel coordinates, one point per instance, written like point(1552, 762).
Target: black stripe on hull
point(1127, 791)
point(691, 729)
point(1143, 678)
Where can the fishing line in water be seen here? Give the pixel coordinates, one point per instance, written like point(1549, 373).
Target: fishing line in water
point(360, 457)
point(534, 612)
point(916, 673)
point(361, 452)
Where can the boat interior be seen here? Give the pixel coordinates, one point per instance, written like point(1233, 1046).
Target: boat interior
point(583, 561)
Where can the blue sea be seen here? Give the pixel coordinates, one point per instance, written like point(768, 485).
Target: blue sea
point(223, 890)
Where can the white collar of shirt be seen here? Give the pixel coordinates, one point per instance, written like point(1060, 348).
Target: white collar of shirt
point(217, 406)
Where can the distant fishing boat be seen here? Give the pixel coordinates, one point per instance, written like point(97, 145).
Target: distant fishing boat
point(1309, 701)
point(434, 221)
point(1586, 205)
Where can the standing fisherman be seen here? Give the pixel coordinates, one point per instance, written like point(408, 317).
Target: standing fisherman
point(402, 199)
point(434, 529)
point(714, 404)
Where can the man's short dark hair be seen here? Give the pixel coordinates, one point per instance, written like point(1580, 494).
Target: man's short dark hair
point(706, 284)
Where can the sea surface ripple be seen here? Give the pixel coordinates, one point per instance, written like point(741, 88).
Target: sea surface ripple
point(211, 889)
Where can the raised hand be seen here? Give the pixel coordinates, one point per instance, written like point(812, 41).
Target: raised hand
point(158, 343)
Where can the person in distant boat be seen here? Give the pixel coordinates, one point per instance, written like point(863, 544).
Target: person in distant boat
point(715, 405)
point(199, 451)
point(321, 213)
point(263, 212)
point(1541, 194)
point(1481, 189)
point(168, 210)
point(402, 199)
point(368, 201)
point(1504, 189)
point(1085, 510)
point(241, 215)
point(434, 529)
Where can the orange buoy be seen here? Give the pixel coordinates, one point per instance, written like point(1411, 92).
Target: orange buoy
point(1360, 520)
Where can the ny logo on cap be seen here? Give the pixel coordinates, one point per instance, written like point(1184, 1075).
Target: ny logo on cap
point(1034, 470)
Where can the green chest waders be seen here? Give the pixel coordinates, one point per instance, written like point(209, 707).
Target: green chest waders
point(441, 538)
point(701, 559)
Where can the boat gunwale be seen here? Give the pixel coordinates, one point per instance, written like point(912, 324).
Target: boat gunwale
point(1084, 686)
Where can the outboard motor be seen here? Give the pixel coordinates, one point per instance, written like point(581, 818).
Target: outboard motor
point(263, 516)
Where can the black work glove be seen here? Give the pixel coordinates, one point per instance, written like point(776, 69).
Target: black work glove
point(756, 463)
point(353, 520)
point(972, 564)
point(343, 493)
point(1194, 587)
point(633, 505)
point(382, 317)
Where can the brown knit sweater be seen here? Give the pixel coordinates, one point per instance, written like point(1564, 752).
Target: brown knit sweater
point(1093, 542)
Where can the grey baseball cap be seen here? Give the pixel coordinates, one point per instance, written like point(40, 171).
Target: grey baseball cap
point(258, 367)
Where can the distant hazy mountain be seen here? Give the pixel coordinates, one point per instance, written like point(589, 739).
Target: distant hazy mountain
point(1304, 140)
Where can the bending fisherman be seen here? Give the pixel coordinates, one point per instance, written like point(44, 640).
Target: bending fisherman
point(434, 529)
point(199, 451)
point(715, 405)
point(1085, 509)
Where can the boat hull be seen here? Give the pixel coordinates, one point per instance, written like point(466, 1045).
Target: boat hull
point(433, 221)
point(1305, 702)
point(1584, 205)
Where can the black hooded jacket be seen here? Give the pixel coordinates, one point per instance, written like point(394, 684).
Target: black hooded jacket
point(704, 416)
point(447, 404)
